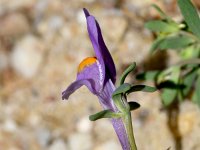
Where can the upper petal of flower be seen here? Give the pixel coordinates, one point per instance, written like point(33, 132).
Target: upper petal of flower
point(100, 48)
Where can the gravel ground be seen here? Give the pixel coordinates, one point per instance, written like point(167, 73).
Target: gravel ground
point(41, 45)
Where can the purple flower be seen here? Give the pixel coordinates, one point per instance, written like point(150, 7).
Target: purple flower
point(99, 75)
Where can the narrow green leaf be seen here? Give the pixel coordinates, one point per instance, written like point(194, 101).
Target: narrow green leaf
point(133, 105)
point(188, 81)
point(149, 75)
point(162, 14)
point(161, 26)
point(126, 72)
point(156, 44)
point(122, 89)
point(169, 94)
point(196, 94)
point(175, 42)
point(104, 114)
point(143, 88)
point(191, 16)
point(166, 17)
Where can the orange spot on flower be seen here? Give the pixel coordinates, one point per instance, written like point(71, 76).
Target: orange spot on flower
point(86, 62)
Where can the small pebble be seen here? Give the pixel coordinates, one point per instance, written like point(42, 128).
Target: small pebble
point(10, 125)
point(27, 56)
point(81, 17)
point(58, 144)
point(10, 22)
point(84, 125)
point(43, 136)
point(80, 141)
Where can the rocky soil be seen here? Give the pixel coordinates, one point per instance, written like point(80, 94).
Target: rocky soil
point(41, 44)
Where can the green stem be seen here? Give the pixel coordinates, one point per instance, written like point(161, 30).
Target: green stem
point(129, 129)
point(123, 106)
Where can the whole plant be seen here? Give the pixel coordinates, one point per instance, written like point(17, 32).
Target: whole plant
point(98, 74)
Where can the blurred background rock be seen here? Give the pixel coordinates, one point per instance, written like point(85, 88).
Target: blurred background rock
point(41, 45)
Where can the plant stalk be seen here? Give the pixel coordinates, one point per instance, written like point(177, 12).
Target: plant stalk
point(129, 129)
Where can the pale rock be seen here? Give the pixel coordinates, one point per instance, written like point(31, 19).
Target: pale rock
point(139, 4)
point(39, 13)
point(189, 125)
point(34, 119)
point(109, 145)
point(56, 7)
point(58, 144)
point(66, 32)
point(187, 122)
point(40, 7)
point(48, 27)
point(19, 4)
point(80, 16)
point(10, 125)
point(84, 125)
point(55, 22)
point(10, 22)
point(80, 141)
point(42, 28)
point(43, 136)
point(27, 56)
point(187, 118)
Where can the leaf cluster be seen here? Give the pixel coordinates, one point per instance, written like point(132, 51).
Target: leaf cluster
point(181, 80)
